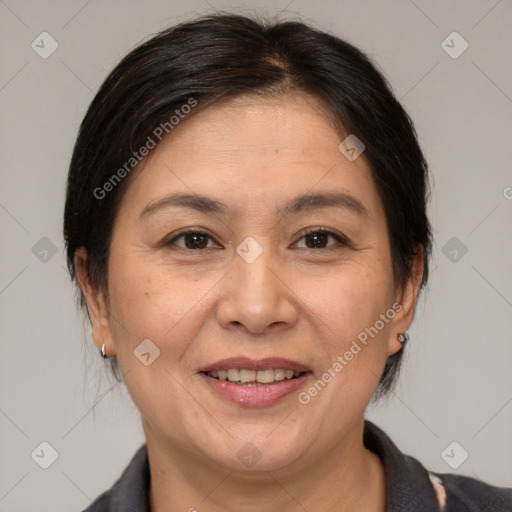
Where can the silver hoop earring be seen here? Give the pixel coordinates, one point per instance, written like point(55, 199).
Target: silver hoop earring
point(103, 352)
point(403, 338)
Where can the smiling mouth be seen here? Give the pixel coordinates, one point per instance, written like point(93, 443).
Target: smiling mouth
point(252, 377)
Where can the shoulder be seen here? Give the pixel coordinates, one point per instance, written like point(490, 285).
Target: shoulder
point(410, 486)
point(101, 504)
point(463, 493)
point(130, 492)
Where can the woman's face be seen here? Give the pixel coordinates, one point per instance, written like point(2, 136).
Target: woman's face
point(248, 281)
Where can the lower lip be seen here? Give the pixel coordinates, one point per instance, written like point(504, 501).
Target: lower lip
point(258, 395)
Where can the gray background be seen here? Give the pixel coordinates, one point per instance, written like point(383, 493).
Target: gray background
point(457, 383)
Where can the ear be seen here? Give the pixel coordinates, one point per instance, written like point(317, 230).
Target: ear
point(406, 296)
point(96, 304)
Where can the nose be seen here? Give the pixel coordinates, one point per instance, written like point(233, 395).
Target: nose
point(256, 297)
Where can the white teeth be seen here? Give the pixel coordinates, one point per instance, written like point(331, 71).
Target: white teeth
point(243, 376)
point(233, 375)
point(265, 376)
point(247, 376)
point(279, 374)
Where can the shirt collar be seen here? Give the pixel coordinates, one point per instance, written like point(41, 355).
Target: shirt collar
point(131, 492)
point(408, 485)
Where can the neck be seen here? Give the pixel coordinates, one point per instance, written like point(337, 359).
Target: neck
point(346, 478)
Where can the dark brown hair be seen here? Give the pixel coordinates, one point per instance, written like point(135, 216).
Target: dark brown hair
point(224, 56)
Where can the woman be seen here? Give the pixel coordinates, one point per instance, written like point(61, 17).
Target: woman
point(246, 220)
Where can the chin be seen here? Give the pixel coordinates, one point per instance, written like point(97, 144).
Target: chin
point(253, 456)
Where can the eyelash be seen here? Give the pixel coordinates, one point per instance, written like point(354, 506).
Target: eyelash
point(318, 230)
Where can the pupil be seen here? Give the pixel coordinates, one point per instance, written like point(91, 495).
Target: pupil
point(196, 241)
point(317, 239)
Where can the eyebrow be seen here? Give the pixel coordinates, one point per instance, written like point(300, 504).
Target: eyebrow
point(302, 203)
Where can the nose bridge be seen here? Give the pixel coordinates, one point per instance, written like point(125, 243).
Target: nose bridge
point(258, 285)
point(253, 296)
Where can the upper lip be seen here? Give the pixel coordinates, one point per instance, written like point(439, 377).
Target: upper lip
point(247, 363)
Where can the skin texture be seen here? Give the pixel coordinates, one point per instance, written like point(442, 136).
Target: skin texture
point(294, 301)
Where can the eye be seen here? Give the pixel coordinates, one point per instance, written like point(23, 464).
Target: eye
point(318, 238)
point(192, 239)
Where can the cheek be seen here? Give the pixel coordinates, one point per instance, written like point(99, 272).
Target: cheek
point(152, 304)
point(353, 311)
point(168, 311)
point(351, 298)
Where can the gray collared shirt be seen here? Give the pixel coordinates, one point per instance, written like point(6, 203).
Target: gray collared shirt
point(409, 486)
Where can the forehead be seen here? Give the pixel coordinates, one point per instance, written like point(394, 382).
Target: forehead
point(259, 124)
point(256, 149)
